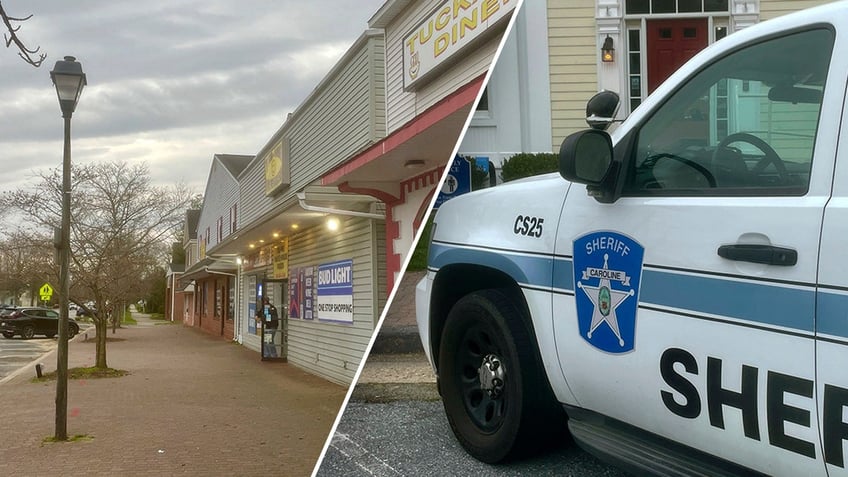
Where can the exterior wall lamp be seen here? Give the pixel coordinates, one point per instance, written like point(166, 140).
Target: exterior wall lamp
point(608, 51)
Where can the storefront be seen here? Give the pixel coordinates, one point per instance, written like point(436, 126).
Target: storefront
point(284, 233)
point(318, 222)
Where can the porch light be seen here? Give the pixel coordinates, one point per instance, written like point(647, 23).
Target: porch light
point(333, 224)
point(608, 51)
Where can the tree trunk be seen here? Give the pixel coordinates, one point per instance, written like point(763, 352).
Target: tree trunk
point(101, 325)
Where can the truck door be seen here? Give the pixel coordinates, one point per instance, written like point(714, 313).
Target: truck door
point(690, 308)
point(832, 319)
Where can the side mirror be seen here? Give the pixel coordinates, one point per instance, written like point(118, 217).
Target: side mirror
point(586, 157)
point(601, 110)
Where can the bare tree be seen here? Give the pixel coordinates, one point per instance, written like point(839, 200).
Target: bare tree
point(11, 36)
point(120, 229)
point(24, 265)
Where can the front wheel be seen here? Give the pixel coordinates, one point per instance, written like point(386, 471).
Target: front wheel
point(72, 331)
point(495, 393)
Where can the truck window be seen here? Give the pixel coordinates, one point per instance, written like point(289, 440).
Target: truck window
point(744, 125)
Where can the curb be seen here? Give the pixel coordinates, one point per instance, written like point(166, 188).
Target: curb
point(397, 340)
point(390, 392)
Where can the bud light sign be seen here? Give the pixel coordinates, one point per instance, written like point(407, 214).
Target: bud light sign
point(335, 292)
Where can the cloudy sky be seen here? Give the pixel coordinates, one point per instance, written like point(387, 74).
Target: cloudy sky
point(170, 82)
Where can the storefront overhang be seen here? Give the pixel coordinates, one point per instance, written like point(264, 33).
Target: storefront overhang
point(206, 268)
point(423, 144)
point(312, 208)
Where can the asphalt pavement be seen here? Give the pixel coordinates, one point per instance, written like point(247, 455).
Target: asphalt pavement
point(395, 424)
point(413, 438)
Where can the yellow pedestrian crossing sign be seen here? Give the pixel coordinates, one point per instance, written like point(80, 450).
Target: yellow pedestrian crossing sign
point(46, 292)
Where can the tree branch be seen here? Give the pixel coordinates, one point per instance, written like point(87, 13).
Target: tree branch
point(12, 37)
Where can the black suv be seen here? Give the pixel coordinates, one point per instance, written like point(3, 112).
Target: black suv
point(28, 322)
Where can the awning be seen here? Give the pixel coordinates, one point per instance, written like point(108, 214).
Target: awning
point(319, 202)
point(207, 267)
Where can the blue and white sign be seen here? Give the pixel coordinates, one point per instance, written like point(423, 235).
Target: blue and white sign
point(457, 182)
point(607, 273)
point(335, 292)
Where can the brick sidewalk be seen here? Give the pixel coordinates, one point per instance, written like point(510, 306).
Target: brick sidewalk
point(192, 405)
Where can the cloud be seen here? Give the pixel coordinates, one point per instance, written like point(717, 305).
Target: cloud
point(170, 83)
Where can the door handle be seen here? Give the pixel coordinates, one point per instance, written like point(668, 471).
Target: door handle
point(766, 254)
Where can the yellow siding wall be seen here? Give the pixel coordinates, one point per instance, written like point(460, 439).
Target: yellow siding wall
point(573, 64)
point(775, 8)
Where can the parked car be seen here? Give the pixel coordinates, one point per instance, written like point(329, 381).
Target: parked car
point(6, 310)
point(31, 321)
point(86, 312)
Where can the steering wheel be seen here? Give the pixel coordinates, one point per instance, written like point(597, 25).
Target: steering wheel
point(769, 154)
point(688, 162)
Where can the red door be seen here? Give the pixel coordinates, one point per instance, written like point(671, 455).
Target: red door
point(670, 44)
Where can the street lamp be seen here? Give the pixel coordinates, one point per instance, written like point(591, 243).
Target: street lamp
point(69, 80)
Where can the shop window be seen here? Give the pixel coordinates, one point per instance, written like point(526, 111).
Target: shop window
point(635, 68)
point(204, 293)
point(688, 6)
point(644, 7)
point(716, 6)
point(483, 105)
point(663, 6)
point(219, 302)
point(638, 6)
point(231, 300)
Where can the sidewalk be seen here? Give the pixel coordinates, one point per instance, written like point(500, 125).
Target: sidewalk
point(192, 405)
point(397, 368)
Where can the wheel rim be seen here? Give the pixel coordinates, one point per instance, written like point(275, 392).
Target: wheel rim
point(29, 332)
point(482, 378)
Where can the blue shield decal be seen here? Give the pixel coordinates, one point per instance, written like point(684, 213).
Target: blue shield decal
point(607, 273)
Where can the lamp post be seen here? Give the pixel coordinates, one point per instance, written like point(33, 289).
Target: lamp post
point(69, 80)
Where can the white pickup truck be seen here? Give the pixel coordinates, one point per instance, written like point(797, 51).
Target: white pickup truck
point(680, 289)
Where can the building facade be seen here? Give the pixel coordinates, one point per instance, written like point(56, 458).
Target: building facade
point(298, 250)
point(649, 39)
point(513, 115)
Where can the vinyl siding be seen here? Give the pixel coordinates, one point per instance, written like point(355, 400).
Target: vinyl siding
point(573, 64)
point(342, 117)
point(222, 191)
point(774, 8)
point(333, 350)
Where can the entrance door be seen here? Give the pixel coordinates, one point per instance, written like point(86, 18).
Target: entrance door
point(670, 44)
point(275, 339)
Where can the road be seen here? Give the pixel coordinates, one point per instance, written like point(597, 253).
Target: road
point(414, 438)
point(17, 352)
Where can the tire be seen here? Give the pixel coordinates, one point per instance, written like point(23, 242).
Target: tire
point(8, 335)
point(73, 330)
point(495, 394)
point(28, 332)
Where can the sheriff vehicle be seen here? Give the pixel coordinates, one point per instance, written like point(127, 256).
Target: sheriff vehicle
point(680, 293)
